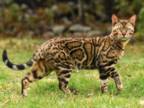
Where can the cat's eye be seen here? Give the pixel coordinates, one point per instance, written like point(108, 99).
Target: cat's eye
point(130, 30)
point(130, 33)
point(120, 26)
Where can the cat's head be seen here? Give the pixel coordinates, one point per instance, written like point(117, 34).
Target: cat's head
point(123, 29)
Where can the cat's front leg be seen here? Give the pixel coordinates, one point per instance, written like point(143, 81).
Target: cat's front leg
point(104, 85)
point(116, 77)
point(118, 83)
point(103, 81)
point(109, 71)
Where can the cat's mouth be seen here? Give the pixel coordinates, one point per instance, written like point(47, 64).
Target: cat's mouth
point(124, 38)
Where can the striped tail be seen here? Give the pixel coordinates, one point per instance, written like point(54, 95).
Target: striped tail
point(9, 64)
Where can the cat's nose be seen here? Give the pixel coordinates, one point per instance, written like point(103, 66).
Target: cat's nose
point(123, 33)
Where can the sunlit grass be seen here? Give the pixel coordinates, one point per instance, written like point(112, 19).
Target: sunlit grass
point(45, 93)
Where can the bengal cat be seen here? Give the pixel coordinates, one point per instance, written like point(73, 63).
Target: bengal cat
point(65, 54)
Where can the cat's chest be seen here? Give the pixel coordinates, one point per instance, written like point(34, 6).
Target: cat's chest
point(114, 53)
point(111, 54)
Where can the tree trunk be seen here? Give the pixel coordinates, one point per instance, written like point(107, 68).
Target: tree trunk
point(81, 15)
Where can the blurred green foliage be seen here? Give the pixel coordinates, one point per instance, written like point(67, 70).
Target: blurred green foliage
point(140, 27)
point(18, 17)
point(129, 7)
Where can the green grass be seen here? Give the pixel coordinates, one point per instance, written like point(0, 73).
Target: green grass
point(45, 93)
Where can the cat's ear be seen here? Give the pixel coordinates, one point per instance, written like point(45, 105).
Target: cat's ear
point(133, 19)
point(114, 19)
